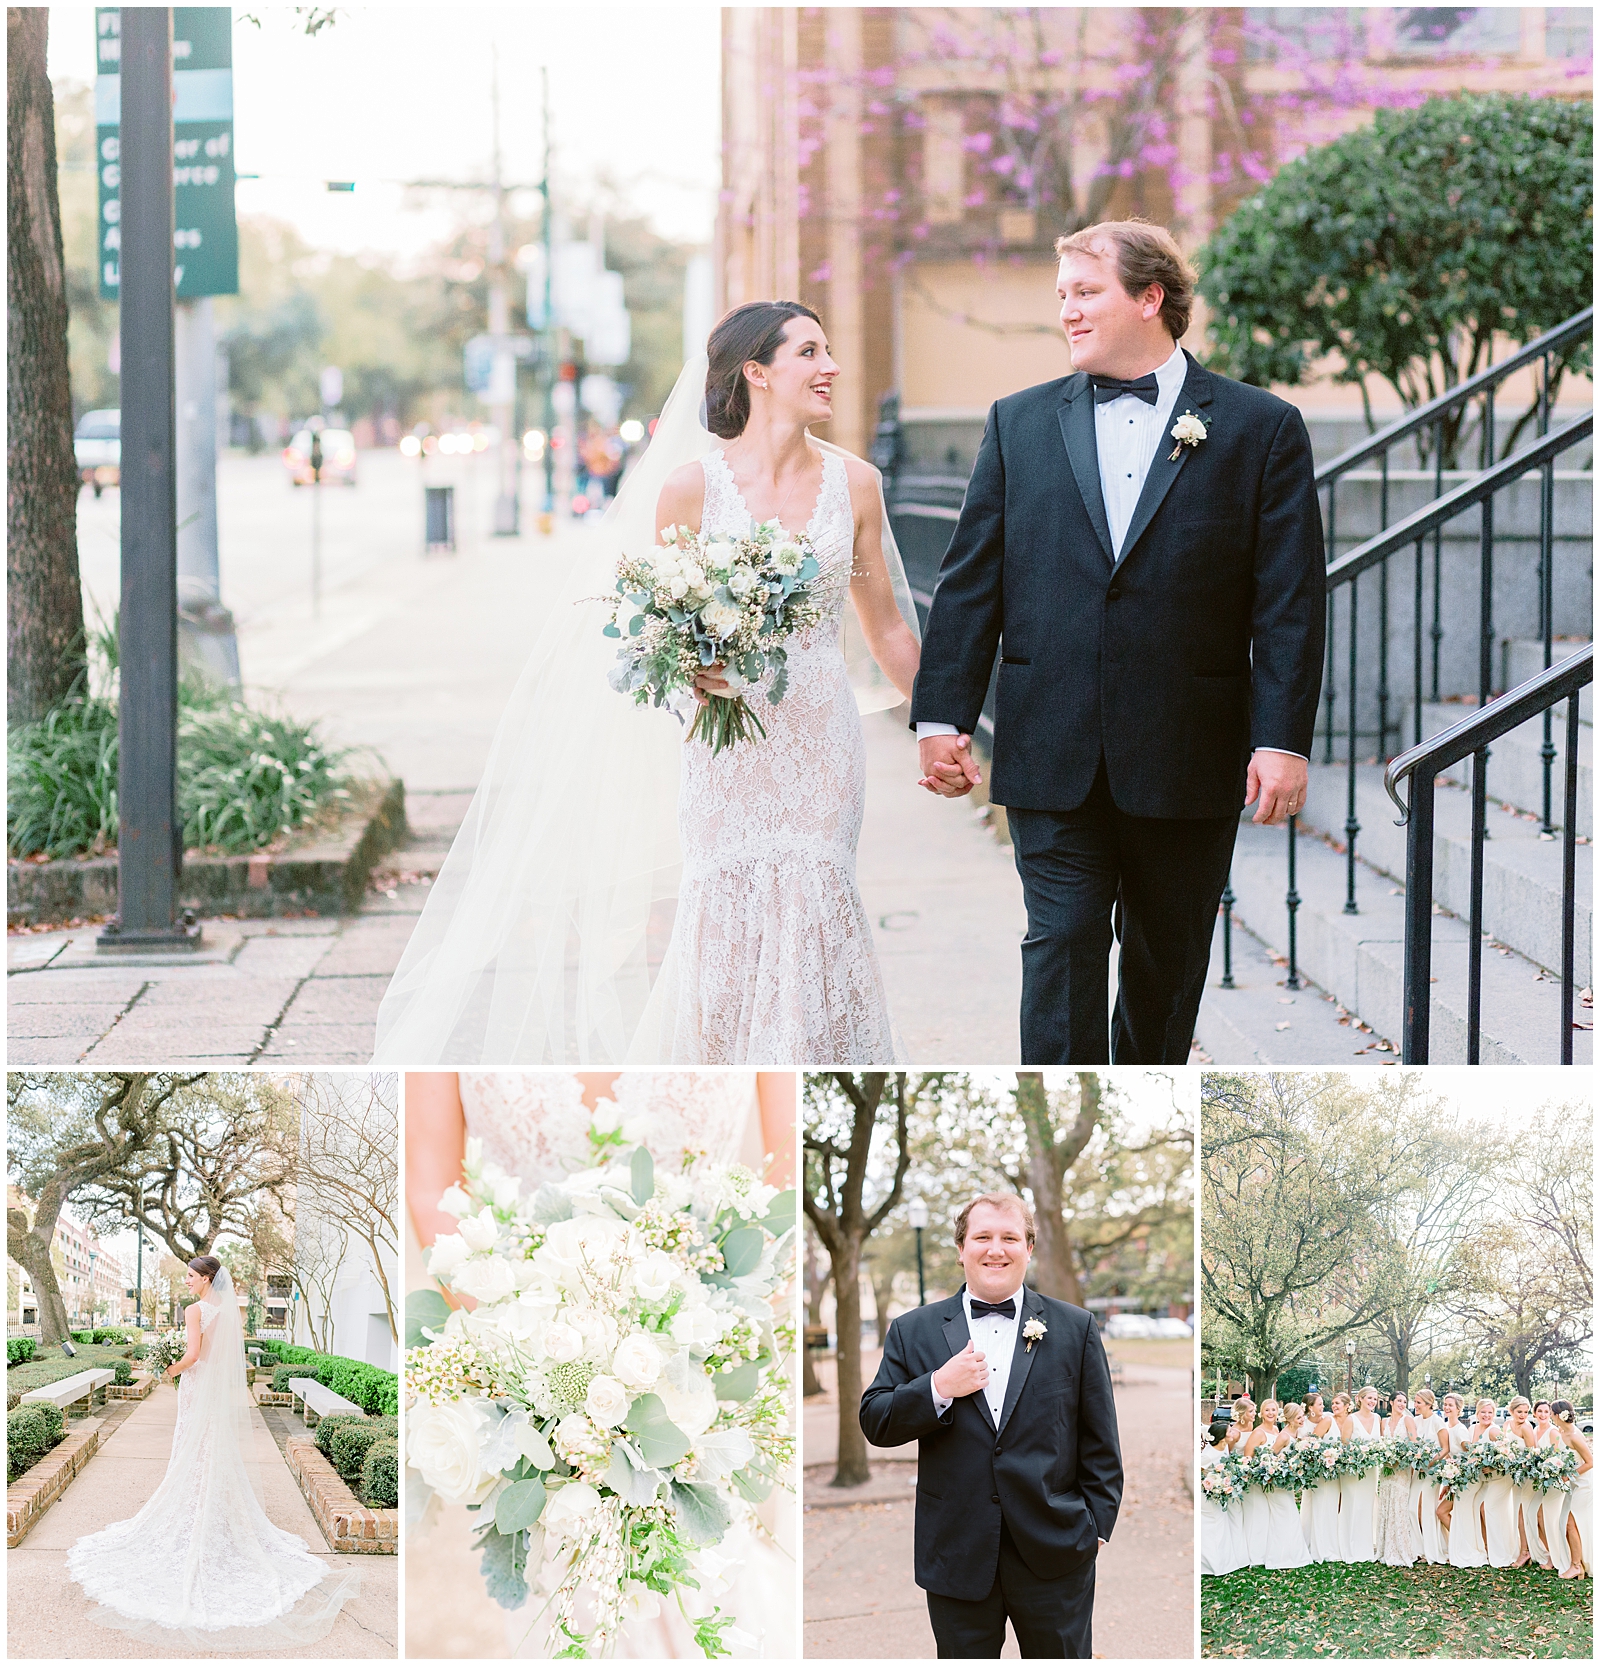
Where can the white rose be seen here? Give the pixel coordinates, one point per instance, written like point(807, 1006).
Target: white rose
point(455, 1202)
point(720, 618)
point(634, 1129)
point(448, 1253)
point(695, 574)
point(568, 1506)
point(479, 1231)
point(652, 1277)
point(637, 1362)
point(697, 1327)
point(582, 1247)
point(607, 1118)
point(677, 588)
point(1188, 429)
point(488, 1279)
point(606, 1402)
point(693, 1409)
point(741, 581)
point(561, 1342)
point(442, 1445)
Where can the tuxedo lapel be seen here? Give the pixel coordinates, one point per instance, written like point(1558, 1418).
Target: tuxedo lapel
point(1076, 415)
point(1164, 470)
point(956, 1336)
point(1021, 1358)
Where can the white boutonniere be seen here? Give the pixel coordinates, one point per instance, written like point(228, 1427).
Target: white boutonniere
point(1031, 1333)
point(1187, 430)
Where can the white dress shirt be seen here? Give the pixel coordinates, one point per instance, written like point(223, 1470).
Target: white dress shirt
point(995, 1337)
point(1127, 435)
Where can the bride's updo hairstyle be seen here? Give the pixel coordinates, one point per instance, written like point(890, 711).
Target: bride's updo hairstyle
point(751, 332)
point(207, 1266)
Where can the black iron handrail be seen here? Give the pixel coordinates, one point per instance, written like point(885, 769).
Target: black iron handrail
point(1420, 765)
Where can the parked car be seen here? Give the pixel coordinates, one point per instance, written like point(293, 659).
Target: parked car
point(338, 457)
point(97, 449)
point(1130, 1325)
point(1178, 1328)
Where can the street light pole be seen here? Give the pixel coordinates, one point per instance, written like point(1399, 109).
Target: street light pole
point(138, 1277)
point(917, 1215)
point(150, 836)
point(1349, 1366)
point(547, 334)
point(502, 365)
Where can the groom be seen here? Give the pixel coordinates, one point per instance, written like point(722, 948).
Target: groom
point(1142, 543)
point(1019, 1474)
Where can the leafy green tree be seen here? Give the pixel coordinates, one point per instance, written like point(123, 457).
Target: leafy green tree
point(1405, 249)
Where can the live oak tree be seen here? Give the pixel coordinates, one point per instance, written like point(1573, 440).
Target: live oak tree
point(44, 601)
point(845, 1161)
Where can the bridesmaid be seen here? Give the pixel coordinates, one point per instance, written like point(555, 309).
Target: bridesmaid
point(1423, 1493)
point(1256, 1512)
point(1463, 1524)
point(1580, 1501)
point(1286, 1540)
point(1546, 1527)
point(1319, 1505)
point(1358, 1497)
point(1496, 1501)
point(1244, 1420)
point(1399, 1542)
point(1524, 1495)
point(1222, 1546)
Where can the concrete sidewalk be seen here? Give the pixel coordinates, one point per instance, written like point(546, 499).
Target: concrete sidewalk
point(861, 1601)
point(47, 1615)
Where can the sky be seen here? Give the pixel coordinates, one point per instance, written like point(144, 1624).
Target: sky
point(404, 92)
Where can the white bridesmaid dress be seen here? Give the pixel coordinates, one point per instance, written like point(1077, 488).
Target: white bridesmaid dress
point(1285, 1542)
point(1499, 1501)
point(1358, 1501)
point(1465, 1544)
point(1253, 1519)
point(1580, 1502)
point(1425, 1497)
point(1222, 1544)
point(1319, 1510)
point(1528, 1501)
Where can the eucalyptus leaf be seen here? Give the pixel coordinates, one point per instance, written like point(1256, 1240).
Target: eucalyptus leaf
point(610, 630)
point(424, 1308)
point(518, 1506)
point(741, 1251)
point(660, 1441)
point(701, 1512)
point(780, 1216)
point(739, 1383)
point(643, 1169)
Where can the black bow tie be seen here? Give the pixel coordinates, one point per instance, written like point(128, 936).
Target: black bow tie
point(1006, 1309)
point(1107, 388)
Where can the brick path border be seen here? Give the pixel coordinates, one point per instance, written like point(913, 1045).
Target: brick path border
point(36, 1489)
point(347, 1524)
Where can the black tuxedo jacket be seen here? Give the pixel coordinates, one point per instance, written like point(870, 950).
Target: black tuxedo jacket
point(1052, 1468)
point(1173, 658)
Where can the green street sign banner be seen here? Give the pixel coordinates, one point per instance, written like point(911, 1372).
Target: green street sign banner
point(205, 240)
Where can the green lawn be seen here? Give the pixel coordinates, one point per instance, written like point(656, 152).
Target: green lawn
point(1350, 1611)
point(54, 1369)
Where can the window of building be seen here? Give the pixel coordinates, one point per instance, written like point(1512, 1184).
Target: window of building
point(1568, 31)
point(944, 162)
point(1433, 31)
point(1320, 33)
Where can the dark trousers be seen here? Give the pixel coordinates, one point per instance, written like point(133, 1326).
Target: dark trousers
point(1051, 1617)
point(1164, 879)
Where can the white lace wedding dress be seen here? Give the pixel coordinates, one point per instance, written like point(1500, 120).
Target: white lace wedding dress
point(201, 1563)
point(534, 1124)
point(771, 959)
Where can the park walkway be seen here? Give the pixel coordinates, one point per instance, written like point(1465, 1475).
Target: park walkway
point(47, 1615)
point(862, 1602)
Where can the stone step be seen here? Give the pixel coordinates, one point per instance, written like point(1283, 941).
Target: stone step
point(1360, 958)
point(1516, 761)
point(1521, 659)
point(1521, 870)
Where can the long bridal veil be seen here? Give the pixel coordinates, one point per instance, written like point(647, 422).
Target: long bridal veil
point(201, 1563)
point(541, 934)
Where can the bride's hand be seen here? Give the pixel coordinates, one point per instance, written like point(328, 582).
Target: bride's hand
point(711, 681)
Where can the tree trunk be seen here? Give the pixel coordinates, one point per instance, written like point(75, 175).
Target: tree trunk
point(32, 1254)
point(817, 1277)
point(1054, 1258)
point(44, 633)
point(882, 1293)
point(852, 1470)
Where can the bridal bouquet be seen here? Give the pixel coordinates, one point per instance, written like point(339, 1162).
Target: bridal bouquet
point(165, 1351)
point(720, 600)
point(613, 1406)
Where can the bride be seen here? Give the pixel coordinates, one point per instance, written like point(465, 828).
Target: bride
point(535, 1125)
point(201, 1563)
point(541, 939)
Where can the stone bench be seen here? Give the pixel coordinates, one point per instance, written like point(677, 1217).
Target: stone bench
point(70, 1390)
point(316, 1401)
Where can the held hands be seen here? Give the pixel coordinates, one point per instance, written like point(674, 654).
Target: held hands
point(962, 1374)
point(1278, 780)
point(948, 767)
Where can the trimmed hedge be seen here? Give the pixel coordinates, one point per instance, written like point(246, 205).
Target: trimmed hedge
point(111, 1335)
point(39, 1372)
point(122, 1374)
point(20, 1349)
point(380, 1475)
point(30, 1432)
point(345, 1441)
point(376, 1392)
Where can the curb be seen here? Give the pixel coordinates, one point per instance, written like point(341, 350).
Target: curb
point(36, 1489)
point(325, 877)
point(347, 1524)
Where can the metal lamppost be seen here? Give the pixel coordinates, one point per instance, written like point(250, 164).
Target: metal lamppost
point(917, 1215)
point(138, 1277)
point(1349, 1365)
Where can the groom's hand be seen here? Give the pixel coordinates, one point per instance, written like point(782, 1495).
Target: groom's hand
point(962, 1374)
point(1278, 781)
point(948, 767)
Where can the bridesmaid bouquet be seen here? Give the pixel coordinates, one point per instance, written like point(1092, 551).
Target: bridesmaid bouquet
point(614, 1404)
point(695, 602)
point(1465, 1468)
point(1224, 1481)
point(1553, 1468)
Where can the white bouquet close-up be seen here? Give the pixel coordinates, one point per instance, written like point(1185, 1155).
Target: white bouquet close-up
point(614, 1406)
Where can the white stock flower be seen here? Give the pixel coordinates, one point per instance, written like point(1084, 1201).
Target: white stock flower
point(561, 1342)
point(720, 618)
point(697, 1327)
point(442, 1445)
point(486, 1279)
point(606, 1402)
point(448, 1253)
point(568, 1507)
point(455, 1202)
point(607, 1118)
point(669, 534)
point(653, 1276)
point(637, 1362)
point(741, 581)
point(479, 1231)
point(504, 1188)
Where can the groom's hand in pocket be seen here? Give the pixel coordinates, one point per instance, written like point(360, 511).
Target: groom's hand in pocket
point(948, 766)
point(960, 1375)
